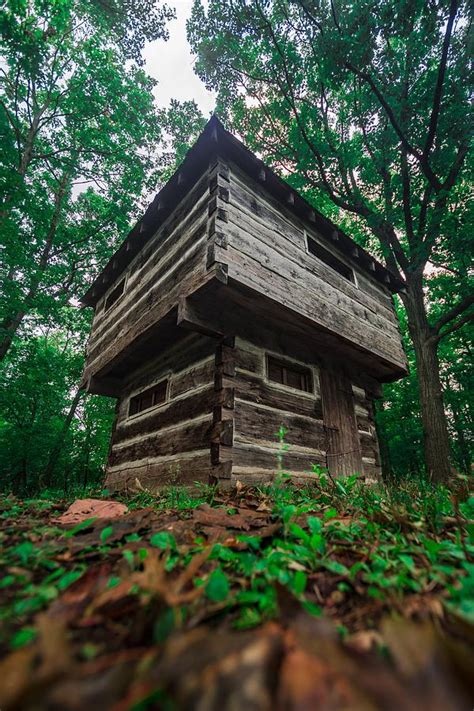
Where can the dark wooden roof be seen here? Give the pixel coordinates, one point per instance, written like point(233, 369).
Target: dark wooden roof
point(216, 140)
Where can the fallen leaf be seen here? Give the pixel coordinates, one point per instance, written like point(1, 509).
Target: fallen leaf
point(83, 509)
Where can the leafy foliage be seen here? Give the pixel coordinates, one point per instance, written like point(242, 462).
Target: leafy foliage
point(333, 546)
point(81, 149)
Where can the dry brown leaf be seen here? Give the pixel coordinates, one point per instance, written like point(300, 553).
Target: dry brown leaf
point(83, 509)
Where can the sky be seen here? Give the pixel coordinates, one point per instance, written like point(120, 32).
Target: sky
point(171, 63)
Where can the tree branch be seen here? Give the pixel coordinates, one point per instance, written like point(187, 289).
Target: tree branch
point(452, 314)
point(456, 326)
point(440, 80)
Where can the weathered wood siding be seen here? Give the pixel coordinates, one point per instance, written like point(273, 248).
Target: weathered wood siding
point(222, 416)
point(369, 446)
point(246, 446)
point(173, 262)
point(343, 452)
point(169, 443)
point(336, 431)
point(265, 248)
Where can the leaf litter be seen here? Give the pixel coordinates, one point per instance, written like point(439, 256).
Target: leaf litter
point(268, 599)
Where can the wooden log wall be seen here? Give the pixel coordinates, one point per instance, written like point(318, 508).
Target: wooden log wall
point(261, 407)
point(222, 435)
point(265, 249)
point(169, 443)
point(172, 263)
point(369, 446)
point(251, 409)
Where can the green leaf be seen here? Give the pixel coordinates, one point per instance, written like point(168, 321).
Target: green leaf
point(315, 525)
point(408, 561)
point(106, 533)
point(335, 567)
point(163, 540)
point(23, 637)
point(128, 555)
point(313, 609)
point(80, 527)
point(69, 578)
point(217, 588)
point(165, 625)
point(300, 533)
point(299, 582)
point(24, 551)
point(7, 581)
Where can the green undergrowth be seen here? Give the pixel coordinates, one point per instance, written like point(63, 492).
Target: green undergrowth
point(339, 547)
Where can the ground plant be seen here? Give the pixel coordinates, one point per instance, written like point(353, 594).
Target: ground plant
point(179, 562)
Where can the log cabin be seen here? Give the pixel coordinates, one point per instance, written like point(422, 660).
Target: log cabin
point(234, 311)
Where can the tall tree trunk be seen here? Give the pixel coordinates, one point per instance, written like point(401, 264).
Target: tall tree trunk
point(435, 430)
point(47, 475)
point(9, 326)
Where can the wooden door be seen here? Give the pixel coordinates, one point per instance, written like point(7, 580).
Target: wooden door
point(343, 445)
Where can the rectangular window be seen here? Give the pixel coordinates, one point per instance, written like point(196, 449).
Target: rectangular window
point(148, 398)
point(330, 259)
point(290, 374)
point(114, 295)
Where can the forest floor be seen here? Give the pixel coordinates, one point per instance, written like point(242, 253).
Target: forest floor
point(334, 596)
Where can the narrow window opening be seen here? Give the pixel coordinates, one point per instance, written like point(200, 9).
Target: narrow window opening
point(290, 374)
point(148, 398)
point(114, 295)
point(330, 259)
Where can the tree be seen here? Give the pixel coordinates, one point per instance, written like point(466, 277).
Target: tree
point(84, 147)
point(79, 132)
point(182, 122)
point(364, 104)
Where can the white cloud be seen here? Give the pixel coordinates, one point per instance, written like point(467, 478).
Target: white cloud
point(171, 63)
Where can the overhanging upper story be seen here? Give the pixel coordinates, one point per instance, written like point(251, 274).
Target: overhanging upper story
point(227, 245)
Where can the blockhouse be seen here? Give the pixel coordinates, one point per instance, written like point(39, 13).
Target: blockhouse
point(233, 309)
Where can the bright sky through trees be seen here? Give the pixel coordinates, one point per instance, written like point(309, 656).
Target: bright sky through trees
point(171, 64)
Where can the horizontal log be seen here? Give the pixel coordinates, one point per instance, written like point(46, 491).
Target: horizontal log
point(133, 295)
point(189, 318)
point(180, 360)
point(183, 219)
point(153, 476)
point(196, 404)
point(192, 378)
point(253, 476)
point(253, 422)
point(255, 203)
point(253, 389)
point(187, 278)
point(138, 302)
point(304, 270)
point(244, 455)
point(190, 436)
point(249, 359)
point(255, 206)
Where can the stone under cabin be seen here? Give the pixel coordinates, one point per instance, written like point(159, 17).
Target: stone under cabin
point(232, 309)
